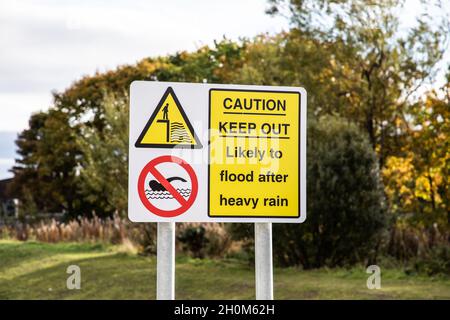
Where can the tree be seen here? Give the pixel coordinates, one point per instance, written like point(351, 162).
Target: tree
point(104, 166)
point(45, 172)
point(295, 59)
point(27, 184)
point(417, 180)
point(381, 67)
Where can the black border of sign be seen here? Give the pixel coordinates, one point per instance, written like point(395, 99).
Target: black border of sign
point(299, 152)
point(139, 144)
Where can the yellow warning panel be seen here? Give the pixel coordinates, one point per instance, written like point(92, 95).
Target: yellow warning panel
point(254, 153)
point(168, 126)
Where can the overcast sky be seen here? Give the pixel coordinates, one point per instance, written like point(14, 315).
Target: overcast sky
point(46, 45)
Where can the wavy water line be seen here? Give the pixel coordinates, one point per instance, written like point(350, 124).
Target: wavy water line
point(164, 194)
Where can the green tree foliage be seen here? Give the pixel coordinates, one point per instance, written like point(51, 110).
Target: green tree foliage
point(417, 179)
point(104, 166)
point(45, 173)
point(295, 59)
point(27, 184)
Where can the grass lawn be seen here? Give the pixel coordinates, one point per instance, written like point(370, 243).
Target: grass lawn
point(34, 270)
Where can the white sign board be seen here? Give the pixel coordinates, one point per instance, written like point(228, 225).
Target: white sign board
point(216, 153)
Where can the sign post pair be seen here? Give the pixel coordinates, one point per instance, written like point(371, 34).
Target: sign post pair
point(216, 153)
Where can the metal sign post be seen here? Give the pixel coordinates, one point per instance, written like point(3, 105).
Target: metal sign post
point(165, 263)
point(263, 261)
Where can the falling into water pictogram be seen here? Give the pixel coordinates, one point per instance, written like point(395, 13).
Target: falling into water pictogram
point(168, 126)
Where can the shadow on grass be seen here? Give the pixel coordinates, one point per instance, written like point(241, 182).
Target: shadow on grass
point(124, 276)
point(13, 253)
point(117, 276)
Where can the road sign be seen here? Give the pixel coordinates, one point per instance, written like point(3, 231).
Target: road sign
point(242, 148)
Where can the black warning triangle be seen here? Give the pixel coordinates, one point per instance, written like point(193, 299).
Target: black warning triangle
point(168, 126)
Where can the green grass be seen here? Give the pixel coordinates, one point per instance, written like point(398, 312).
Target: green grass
point(33, 270)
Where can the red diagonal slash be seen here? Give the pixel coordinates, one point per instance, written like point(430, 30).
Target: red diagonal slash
point(166, 184)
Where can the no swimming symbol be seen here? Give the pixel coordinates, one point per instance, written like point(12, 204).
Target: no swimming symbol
point(158, 191)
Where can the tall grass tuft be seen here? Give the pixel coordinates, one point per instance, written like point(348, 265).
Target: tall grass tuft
point(195, 239)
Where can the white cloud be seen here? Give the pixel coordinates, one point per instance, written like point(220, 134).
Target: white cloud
point(16, 108)
point(8, 162)
point(5, 166)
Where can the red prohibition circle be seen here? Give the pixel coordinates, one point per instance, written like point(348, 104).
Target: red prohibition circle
point(150, 168)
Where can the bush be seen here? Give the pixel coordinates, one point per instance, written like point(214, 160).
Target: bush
point(245, 234)
point(345, 202)
point(423, 249)
point(193, 240)
point(436, 262)
point(204, 239)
